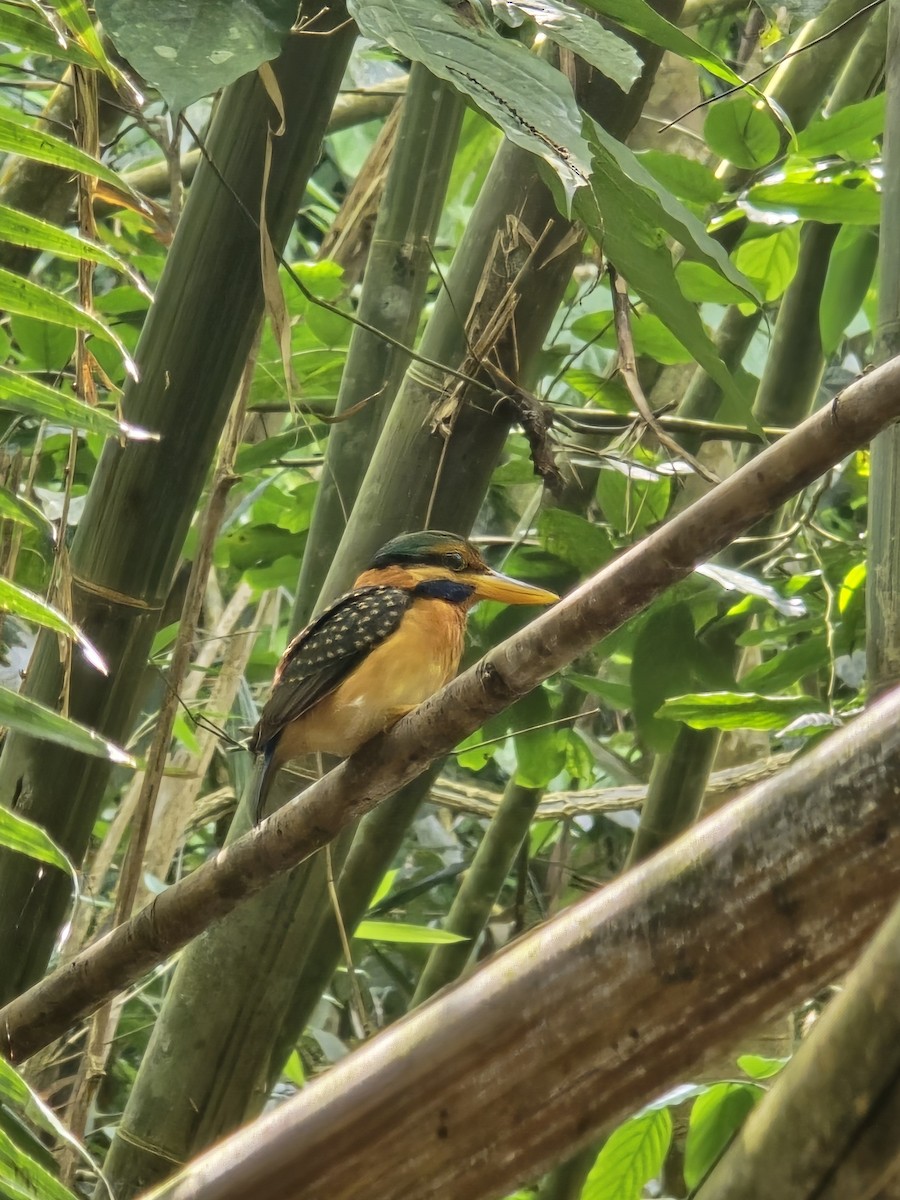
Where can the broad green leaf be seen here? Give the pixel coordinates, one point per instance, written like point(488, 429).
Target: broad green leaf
point(650, 336)
point(788, 667)
point(18, 138)
point(642, 19)
point(582, 35)
point(757, 1066)
point(743, 131)
point(630, 499)
point(616, 695)
point(398, 931)
point(45, 348)
point(29, 607)
point(39, 400)
point(27, 716)
point(23, 836)
point(628, 222)
point(679, 222)
point(715, 1118)
point(529, 99)
point(191, 50)
point(540, 752)
point(737, 710)
point(23, 512)
point(684, 177)
point(848, 201)
point(770, 261)
point(24, 230)
point(703, 285)
point(574, 539)
point(19, 295)
point(632, 1156)
point(661, 663)
point(26, 1177)
point(749, 585)
point(20, 30)
point(851, 267)
point(843, 130)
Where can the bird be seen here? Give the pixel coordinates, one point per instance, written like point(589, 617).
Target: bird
point(378, 651)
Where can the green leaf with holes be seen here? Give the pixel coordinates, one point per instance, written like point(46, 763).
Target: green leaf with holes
point(191, 50)
point(522, 93)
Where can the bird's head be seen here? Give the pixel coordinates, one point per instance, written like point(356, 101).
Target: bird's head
point(446, 566)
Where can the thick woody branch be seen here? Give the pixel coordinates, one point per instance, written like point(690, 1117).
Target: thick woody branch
point(601, 1009)
point(570, 629)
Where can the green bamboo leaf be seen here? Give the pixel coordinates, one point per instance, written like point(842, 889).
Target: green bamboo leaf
point(19, 295)
point(642, 19)
point(191, 50)
point(77, 19)
point(25, 1176)
point(19, 138)
point(17, 1094)
point(24, 230)
point(737, 710)
point(398, 931)
point(715, 1118)
point(39, 400)
point(23, 512)
point(529, 99)
point(29, 607)
point(582, 35)
point(23, 836)
point(27, 716)
point(632, 1156)
point(20, 30)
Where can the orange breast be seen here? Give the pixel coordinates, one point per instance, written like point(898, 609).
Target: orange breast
point(407, 668)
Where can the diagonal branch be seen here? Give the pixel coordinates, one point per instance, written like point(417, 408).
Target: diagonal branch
point(592, 611)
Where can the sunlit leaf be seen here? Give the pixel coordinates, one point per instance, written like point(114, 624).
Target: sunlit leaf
point(24, 230)
point(743, 131)
point(36, 399)
point(632, 1156)
point(840, 132)
point(770, 261)
point(23, 512)
point(23, 836)
point(28, 606)
point(759, 1067)
point(851, 201)
point(737, 710)
point(23, 31)
point(19, 138)
point(581, 34)
point(24, 1176)
point(398, 931)
point(20, 295)
point(27, 716)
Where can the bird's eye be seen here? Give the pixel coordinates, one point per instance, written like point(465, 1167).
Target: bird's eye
point(454, 561)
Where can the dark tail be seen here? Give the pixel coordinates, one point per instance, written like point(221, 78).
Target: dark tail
point(266, 769)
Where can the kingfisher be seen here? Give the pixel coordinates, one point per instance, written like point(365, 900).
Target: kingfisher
point(377, 652)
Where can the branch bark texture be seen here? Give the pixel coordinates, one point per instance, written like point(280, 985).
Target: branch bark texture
point(570, 629)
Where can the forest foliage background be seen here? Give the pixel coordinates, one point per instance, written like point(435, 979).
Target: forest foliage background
point(273, 292)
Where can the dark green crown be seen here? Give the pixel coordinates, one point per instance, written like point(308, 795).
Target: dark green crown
point(426, 548)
